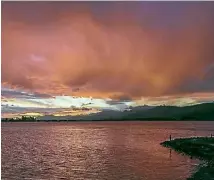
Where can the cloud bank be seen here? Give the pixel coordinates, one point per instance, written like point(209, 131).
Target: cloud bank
point(108, 49)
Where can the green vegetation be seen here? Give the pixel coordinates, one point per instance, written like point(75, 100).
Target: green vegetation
point(20, 119)
point(198, 147)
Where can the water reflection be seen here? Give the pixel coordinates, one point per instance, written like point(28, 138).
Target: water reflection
point(95, 150)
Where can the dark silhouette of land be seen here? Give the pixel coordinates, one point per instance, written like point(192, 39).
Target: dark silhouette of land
point(197, 147)
point(198, 112)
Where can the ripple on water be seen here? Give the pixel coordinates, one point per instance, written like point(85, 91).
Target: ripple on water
point(96, 151)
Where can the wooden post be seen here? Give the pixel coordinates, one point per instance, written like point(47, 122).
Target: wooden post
point(211, 135)
point(170, 137)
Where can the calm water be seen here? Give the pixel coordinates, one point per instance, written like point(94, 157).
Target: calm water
point(96, 151)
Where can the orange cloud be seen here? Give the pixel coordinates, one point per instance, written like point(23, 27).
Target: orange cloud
point(118, 55)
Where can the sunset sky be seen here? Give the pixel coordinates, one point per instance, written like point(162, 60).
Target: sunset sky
point(70, 58)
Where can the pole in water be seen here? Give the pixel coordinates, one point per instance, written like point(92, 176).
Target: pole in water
point(170, 154)
point(170, 137)
point(211, 135)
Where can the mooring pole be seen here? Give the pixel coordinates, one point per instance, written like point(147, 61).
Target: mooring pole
point(170, 153)
point(170, 137)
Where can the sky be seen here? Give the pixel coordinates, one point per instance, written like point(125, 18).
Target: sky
point(70, 58)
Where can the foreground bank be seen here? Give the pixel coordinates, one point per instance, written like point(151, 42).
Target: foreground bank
point(197, 147)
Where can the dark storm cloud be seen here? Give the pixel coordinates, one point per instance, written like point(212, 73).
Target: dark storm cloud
point(119, 99)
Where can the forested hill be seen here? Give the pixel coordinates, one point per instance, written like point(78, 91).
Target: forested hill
point(196, 112)
point(203, 111)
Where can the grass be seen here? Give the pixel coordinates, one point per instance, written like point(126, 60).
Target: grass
point(197, 147)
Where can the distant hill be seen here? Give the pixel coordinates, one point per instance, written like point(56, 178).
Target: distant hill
point(203, 111)
point(195, 112)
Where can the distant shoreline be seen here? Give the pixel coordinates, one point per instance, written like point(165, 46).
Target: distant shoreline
point(138, 120)
point(200, 112)
point(197, 147)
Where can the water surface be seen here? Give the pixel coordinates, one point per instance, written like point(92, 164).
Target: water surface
point(96, 150)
